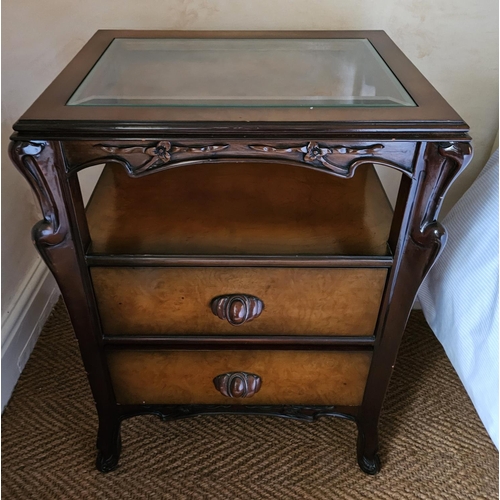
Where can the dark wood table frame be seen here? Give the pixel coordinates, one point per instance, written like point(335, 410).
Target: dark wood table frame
point(428, 143)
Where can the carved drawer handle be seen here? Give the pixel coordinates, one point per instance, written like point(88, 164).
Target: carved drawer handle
point(238, 384)
point(237, 309)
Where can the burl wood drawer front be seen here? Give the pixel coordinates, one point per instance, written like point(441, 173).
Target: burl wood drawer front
point(302, 301)
point(286, 377)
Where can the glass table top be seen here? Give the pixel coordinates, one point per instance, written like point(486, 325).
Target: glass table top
point(241, 73)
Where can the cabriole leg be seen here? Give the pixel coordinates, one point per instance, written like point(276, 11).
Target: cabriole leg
point(419, 240)
point(61, 237)
point(108, 443)
point(367, 447)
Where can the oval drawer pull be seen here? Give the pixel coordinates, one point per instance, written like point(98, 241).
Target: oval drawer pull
point(237, 309)
point(238, 384)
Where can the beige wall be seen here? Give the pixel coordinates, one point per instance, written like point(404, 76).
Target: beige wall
point(454, 44)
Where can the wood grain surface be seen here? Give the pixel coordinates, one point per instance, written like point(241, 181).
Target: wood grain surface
point(239, 209)
point(156, 301)
point(186, 377)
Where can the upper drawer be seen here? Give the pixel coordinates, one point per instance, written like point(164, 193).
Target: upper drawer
point(239, 209)
point(284, 301)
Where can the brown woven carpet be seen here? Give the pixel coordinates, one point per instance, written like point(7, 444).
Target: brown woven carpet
point(432, 442)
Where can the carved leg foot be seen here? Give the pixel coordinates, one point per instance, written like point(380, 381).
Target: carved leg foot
point(369, 465)
point(109, 446)
point(368, 459)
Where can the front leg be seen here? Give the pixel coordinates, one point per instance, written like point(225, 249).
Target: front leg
point(367, 446)
point(109, 443)
point(61, 238)
point(420, 239)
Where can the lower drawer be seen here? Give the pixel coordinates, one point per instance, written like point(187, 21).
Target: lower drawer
point(286, 377)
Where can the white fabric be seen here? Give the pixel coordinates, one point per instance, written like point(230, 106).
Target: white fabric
point(459, 297)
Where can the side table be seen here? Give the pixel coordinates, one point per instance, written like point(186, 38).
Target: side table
point(269, 275)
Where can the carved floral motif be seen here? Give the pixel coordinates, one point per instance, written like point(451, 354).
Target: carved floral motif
point(159, 154)
point(314, 153)
point(144, 157)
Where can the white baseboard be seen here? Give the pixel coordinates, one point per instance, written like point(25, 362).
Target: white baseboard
point(23, 322)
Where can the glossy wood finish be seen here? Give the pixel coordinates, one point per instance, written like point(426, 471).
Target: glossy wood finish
point(255, 342)
point(237, 384)
point(239, 209)
point(301, 413)
point(419, 243)
point(428, 143)
point(162, 301)
point(237, 309)
point(433, 118)
point(61, 238)
point(337, 157)
point(186, 377)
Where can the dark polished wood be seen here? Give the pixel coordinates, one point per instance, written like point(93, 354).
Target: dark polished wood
point(58, 238)
point(420, 240)
point(48, 117)
point(283, 342)
point(141, 157)
point(238, 384)
point(302, 413)
point(237, 309)
point(278, 208)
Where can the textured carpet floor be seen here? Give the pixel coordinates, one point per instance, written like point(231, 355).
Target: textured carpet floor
point(433, 445)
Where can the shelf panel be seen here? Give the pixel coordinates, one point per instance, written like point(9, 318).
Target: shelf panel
point(239, 209)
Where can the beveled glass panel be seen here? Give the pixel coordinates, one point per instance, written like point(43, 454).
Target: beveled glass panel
point(241, 73)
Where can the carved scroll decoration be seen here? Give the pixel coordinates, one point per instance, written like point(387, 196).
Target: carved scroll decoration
point(35, 161)
point(237, 309)
point(58, 240)
point(238, 384)
point(313, 154)
point(295, 412)
point(159, 154)
point(143, 157)
point(444, 162)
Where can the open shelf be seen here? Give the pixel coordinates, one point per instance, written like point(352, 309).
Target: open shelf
point(239, 209)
